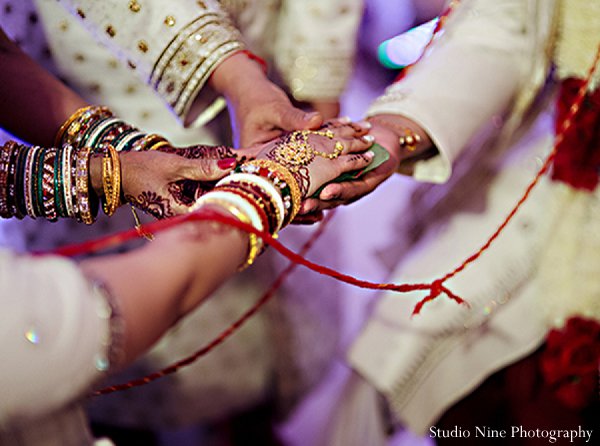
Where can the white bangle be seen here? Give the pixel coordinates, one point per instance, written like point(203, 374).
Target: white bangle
point(265, 185)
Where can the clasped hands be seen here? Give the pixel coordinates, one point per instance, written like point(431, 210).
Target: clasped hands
point(169, 180)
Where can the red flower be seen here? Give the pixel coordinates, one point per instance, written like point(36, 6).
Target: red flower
point(577, 160)
point(571, 361)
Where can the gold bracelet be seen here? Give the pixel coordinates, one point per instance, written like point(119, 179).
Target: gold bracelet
point(111, 180)
point(151, 141)
point(159, 144)
point(68, 122)
point(283, 174)
point(253, 245)
point(78, 123)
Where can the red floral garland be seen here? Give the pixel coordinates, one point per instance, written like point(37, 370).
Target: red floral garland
point(571, 360)
point(577, 160)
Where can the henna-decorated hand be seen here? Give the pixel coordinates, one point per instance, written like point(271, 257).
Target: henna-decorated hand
point(166, 184)
point(315, 158)
point(386, 129)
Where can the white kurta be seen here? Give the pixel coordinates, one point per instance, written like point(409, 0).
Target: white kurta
point(55, 340)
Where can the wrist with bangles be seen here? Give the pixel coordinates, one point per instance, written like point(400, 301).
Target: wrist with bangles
point(261, 193)
point(54, 183)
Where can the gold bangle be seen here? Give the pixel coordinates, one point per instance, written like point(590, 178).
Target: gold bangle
point(79, 122)
point(251, 198)
point(284, 174)
point(111, 180)
point(253, 244)
point(150, 141)
point(159, 144)
point(77, 114)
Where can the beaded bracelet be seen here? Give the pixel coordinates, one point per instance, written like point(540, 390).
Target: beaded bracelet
point(48, 192)
point(5, 154)
point(13, 208)
point(85, 208)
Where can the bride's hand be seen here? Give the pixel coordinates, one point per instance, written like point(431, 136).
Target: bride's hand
point(316, 157)
point(166, 184)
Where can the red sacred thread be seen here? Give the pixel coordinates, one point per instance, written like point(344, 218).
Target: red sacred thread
point(436, 287)
point(229, 330)
point(564, 128)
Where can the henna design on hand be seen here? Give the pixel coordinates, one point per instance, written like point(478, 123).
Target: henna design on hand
point(186, 192)
point(300, 174)
point(201, 152)
point(151, 203)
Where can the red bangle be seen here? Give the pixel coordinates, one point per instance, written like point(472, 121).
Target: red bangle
point(256, 58)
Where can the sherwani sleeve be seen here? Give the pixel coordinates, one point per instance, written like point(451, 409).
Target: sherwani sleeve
point(315, 46)
point(55, 335)
point(471, 75)
point(173, 46)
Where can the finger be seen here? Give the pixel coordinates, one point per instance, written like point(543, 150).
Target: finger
point(309, 205)
point(251, 138)
point(207, 169)
point(290, 118)
point(346, 128)
point(354, 162)
point(360, 144)
point(350, 190)
point(337, 122)
point(361, 127)
point(308, 219)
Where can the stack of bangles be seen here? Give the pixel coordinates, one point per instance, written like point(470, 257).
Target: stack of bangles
point(54, 182)
point(261, 193)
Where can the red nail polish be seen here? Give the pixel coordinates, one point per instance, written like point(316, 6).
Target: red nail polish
point(226, 163)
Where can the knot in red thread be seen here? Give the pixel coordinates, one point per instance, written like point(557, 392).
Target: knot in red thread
point(437, 286)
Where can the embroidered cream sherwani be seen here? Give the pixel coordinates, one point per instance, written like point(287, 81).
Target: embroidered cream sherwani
point(481, 76)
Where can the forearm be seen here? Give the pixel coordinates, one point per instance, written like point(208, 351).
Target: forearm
point(235, 75)
point(168, 278)
point(33, 103)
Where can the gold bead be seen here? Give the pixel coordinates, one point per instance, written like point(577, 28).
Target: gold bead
point(143, 46)
point(170, 20)
point(134, 6)
point(110, 31)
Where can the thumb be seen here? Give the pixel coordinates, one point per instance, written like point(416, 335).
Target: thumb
point(208, 169)
point(293, 119)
